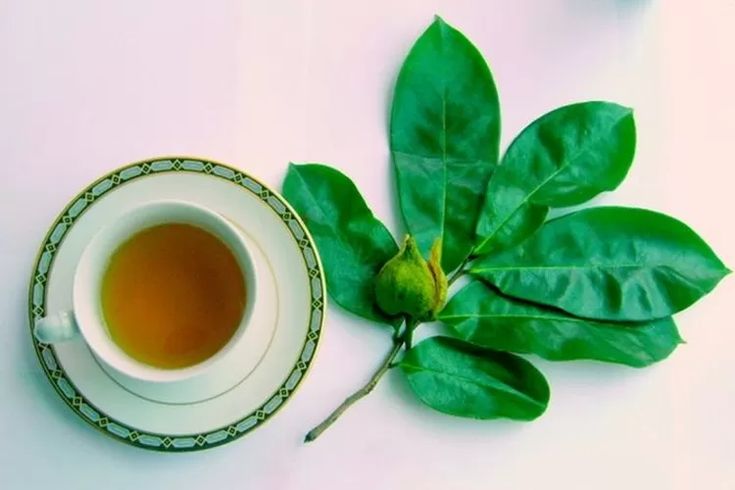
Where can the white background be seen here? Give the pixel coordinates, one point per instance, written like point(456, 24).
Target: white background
point(88, 86)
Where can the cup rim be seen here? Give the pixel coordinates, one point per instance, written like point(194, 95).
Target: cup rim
point(86, 297)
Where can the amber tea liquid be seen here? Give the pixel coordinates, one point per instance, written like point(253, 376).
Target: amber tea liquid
point(172, 295)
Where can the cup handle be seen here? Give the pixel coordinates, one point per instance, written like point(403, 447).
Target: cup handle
point(56, 328)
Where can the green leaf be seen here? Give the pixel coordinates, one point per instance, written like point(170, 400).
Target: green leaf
point(482, 316)
point(444, 133)
point(564, 158)
point(352, 243)
point(608, 263)
point(466, 380)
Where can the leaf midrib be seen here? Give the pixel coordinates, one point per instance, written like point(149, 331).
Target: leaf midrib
point(444, 164)
point(569, 267)
point(316, 204)
point(520, 316)
point(502, 387)
point(328, 222)
point(567, 162)
point(518, 206)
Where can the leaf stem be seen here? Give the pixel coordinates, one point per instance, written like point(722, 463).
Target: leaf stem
point(408, 337)
point(459, 270)
point(365, 390)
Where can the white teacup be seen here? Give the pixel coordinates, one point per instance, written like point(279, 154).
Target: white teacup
point(87, 319)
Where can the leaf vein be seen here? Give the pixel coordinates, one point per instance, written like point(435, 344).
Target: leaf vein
point(502, 387)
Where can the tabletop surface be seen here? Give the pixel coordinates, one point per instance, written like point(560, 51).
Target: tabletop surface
point(88, 86)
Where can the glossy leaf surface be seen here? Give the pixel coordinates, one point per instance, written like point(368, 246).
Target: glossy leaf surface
point(480, 315)
point(564, 158)
point(353, 244)
point(608, 263)
point(458, 378)
point(444, 133)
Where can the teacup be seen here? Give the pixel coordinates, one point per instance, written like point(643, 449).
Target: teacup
point(87, 318)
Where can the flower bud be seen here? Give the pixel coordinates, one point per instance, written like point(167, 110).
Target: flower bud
point(409, 285)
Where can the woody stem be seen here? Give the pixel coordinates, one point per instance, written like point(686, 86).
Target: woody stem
point(398, 343)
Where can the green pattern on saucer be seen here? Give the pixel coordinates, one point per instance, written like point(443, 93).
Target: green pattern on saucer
point(55, 372)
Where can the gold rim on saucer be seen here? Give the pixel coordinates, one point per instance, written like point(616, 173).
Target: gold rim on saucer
point(62, 382)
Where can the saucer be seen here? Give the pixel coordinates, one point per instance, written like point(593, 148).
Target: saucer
point(254, 380)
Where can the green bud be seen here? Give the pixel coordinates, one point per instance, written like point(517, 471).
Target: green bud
point(409, 285)
point(440, 279)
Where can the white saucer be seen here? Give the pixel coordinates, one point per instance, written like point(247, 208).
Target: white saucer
point(257, 379)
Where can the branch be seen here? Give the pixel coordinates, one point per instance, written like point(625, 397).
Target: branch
point(365, 390)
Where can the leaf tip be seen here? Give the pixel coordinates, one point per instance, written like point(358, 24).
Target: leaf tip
point(441, 24)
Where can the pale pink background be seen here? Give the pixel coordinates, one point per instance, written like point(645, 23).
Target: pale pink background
point(86, 86)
